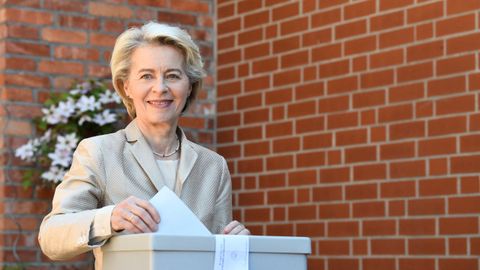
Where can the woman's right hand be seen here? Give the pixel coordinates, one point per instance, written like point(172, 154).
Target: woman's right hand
point(135, 215)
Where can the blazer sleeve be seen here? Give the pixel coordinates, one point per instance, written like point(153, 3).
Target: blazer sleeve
point(223, 204)
point(65, 231)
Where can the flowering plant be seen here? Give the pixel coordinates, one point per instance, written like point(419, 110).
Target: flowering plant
point(86, 110)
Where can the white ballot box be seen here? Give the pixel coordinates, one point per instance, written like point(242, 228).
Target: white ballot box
point(168, 252)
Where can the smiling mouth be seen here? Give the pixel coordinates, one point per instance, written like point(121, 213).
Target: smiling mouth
point(160, 103)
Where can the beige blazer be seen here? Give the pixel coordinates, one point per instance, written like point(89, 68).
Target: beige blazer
point(109, 168)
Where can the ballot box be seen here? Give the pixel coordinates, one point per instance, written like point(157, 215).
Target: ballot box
point(152, 251)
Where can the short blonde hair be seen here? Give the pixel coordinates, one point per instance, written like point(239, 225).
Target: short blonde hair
point(155, 33)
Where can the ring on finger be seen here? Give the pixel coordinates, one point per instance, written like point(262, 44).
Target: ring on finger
point(130, 217)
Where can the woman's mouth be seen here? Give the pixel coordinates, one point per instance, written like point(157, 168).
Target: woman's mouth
point(164, 103)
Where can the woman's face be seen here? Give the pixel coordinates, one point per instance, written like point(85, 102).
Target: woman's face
point(157, 84)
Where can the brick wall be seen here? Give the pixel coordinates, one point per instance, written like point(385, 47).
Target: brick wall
point(45, 46)
point(355, 123)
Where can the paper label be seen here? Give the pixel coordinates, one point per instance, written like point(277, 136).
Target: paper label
point(231, 252)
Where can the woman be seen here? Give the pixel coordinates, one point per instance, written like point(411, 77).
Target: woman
point(157, 70)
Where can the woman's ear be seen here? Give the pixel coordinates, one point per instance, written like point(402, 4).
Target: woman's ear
point(190, 90)
point(125, 88)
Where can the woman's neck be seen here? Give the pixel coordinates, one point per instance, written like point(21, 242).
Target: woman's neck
point(162, 138)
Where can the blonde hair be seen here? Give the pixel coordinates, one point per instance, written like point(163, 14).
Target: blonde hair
point(161, 34)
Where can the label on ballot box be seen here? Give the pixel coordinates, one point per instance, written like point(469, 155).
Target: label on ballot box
point(231, 252)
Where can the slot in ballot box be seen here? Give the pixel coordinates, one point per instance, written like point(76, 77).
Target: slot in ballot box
point(152, 251)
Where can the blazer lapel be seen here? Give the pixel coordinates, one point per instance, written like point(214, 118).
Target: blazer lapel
point(188, 156)
point(143, 154)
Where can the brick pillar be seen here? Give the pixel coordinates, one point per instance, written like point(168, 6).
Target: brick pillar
point(45, 47)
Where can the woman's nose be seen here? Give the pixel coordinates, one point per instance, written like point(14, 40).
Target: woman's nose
point(161, 86)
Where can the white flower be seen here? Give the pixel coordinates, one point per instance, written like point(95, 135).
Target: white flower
point(51, 116)
point(54, 174)
point(104, 97)
point(61, 157)
point(68, 141)
point(36, 142)
point(26, 151)
point(65, 109)
point(87, 104)
point(116, 98)
point(86, 86)
point(84, 118)
point(64, 150)
point(76, 91)
point(46, 137)
point(108, 97)
point(81, 104)
point(59, 114)
point(81, 88)
point(105, 118)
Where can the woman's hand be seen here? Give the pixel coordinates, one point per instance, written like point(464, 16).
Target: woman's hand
point(135, 215)
point(236, 227)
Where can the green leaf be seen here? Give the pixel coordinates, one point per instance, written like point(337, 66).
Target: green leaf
point(63, 96)
point(27, 179)
point(49, 102)
point(42, 125)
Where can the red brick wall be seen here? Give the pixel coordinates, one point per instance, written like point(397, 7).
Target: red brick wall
point(355, 123)
point(45, 46)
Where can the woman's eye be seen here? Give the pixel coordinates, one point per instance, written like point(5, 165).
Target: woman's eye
point(146, 76)
point(173, 77)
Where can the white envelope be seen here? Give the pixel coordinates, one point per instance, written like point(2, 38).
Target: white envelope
point(175, 217)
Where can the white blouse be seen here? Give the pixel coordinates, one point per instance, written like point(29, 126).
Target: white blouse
point(168, 170)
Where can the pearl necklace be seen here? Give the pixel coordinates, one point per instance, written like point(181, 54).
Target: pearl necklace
point(168, 155)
